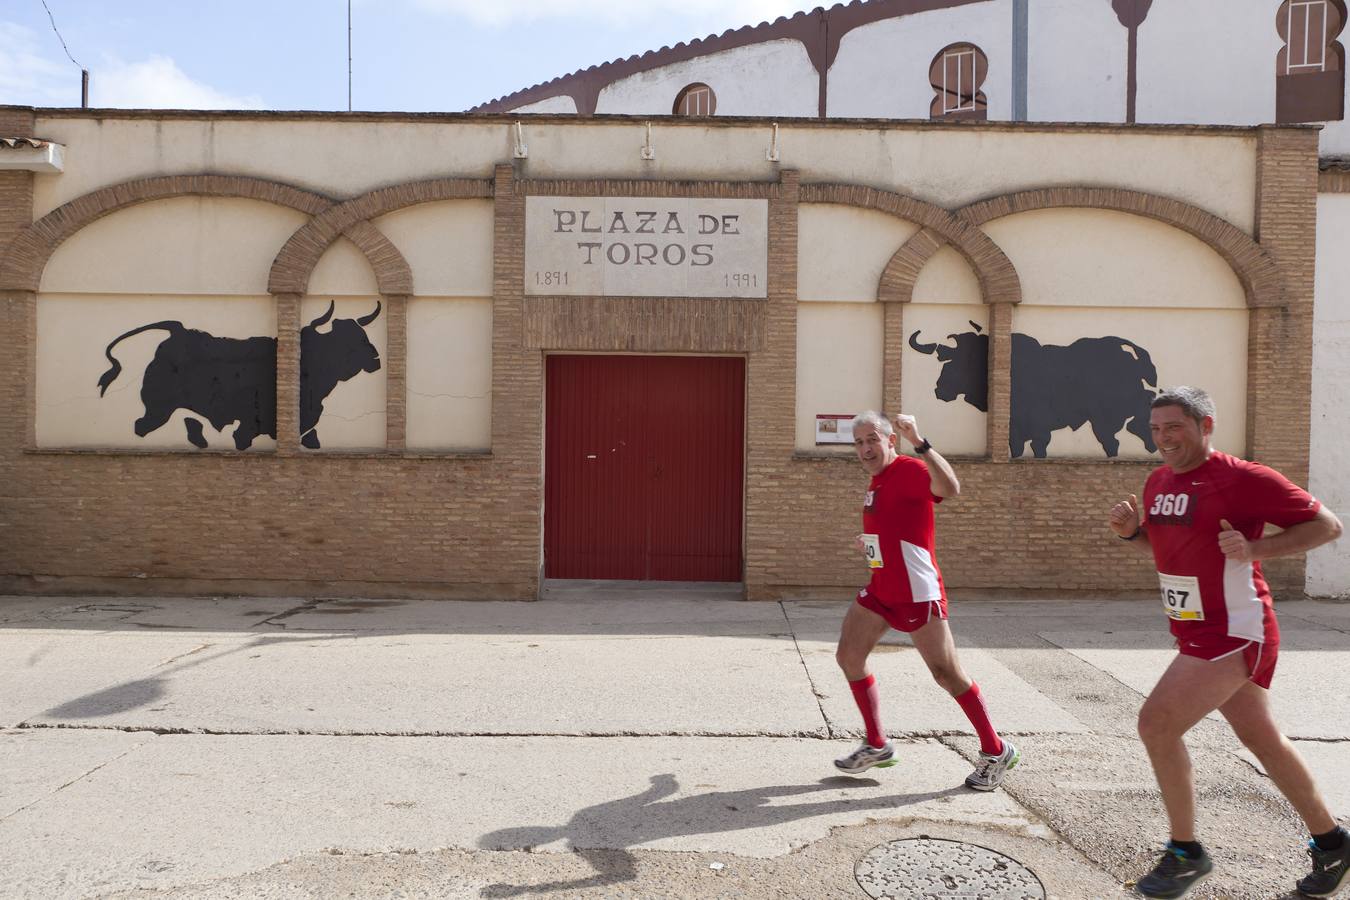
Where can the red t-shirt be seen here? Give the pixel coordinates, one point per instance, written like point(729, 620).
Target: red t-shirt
point(1182, 513)
point(898, 534)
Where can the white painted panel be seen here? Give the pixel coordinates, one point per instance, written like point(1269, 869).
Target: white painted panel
point(770, 79)
point(882, 68)
point(954, 425)
point(183, 245)
point(353, 415)
point(1076, 62)
point(646, 247)
point(1091, 257)
point(842, 251)
point(343, 270)
point(1206, 348)
point(1329, 566)
point(73, 334)
point(1208, 61)
point(947, 278)
point(839, 349)
point(448, 246)
point(449, 374)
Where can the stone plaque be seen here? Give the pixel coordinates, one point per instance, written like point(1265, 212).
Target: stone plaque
point(646, 247)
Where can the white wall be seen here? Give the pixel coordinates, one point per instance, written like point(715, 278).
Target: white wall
point(1208, 61)
point(1329, 566)
point(842, 251)
point(183, 245)
point(1076, 62)
point(449, 374)
point(882, 68)
point(560, 104)
point(839, 362)
point(448, 246)
point(770, 79)
point(948, 167)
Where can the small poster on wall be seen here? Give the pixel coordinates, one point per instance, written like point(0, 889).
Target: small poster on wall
point(833, 428)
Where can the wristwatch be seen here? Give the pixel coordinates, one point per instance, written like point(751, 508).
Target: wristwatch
point(924, 447)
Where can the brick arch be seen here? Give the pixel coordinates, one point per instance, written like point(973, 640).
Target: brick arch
point(28, 254)
point(997, 277)
point(1261, 279)
point(300, 254)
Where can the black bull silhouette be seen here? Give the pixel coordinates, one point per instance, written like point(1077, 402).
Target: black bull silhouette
point(226, 380)
point(1097, 380)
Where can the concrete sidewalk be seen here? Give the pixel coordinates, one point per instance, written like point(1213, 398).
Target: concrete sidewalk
point(601, 742)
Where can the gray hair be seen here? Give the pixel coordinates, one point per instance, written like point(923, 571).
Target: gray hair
point(1193, 401)
point(876, 420)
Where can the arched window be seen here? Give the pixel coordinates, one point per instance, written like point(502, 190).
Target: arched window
point(956, 74)
point(696, 100)
point(1310, 67)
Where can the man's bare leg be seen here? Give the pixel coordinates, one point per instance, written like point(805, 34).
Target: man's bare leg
point(1188, 691)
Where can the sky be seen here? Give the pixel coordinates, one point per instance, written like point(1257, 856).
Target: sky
point(407, 55)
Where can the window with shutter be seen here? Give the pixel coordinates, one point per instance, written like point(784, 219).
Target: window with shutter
point(1310, 66)
point(956, 75)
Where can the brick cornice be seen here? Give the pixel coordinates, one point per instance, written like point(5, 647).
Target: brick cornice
point(1258, 273)
point(301, 252)
point(998, 279)
point(633, 187)
point(1333, 181)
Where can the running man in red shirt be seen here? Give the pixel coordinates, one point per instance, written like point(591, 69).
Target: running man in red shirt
point(1203, 517)
point(906, 593)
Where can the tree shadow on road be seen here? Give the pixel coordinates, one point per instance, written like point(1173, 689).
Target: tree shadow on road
point(648, 816)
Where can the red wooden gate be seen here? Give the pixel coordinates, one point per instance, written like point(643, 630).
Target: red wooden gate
point(643, 467)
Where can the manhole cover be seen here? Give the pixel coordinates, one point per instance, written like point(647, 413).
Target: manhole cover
point(934, 869)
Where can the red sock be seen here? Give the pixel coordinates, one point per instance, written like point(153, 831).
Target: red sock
point(972, 704)
point(865, 695)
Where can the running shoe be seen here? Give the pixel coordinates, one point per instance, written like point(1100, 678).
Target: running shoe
point(991, 770)
point(1175, 874)
point(1331, 870)
point(865, 757)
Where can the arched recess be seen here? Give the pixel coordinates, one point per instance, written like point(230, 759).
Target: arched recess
point(298, 257)
point(28, 254)
point(997, 277)
point(998, 281)
point(1261, 279)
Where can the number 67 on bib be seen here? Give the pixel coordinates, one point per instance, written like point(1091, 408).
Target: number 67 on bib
point(1181, 597)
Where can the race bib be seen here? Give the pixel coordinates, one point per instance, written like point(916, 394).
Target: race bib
point(872, 550)
point(1181, 597)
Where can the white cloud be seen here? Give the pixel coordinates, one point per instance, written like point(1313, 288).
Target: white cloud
point(716, 14)
point(158, 83)
point(35, 74)
point(28, 77)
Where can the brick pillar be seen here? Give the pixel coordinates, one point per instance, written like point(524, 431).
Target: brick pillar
point(396, 372)
point(17, 374)
point(892, 349)
point(1279, 349)
point(19, 311)
point(517, 389)
point(1280, 359)
point(288, 373)
point(771, 401)
point(1000, 381)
